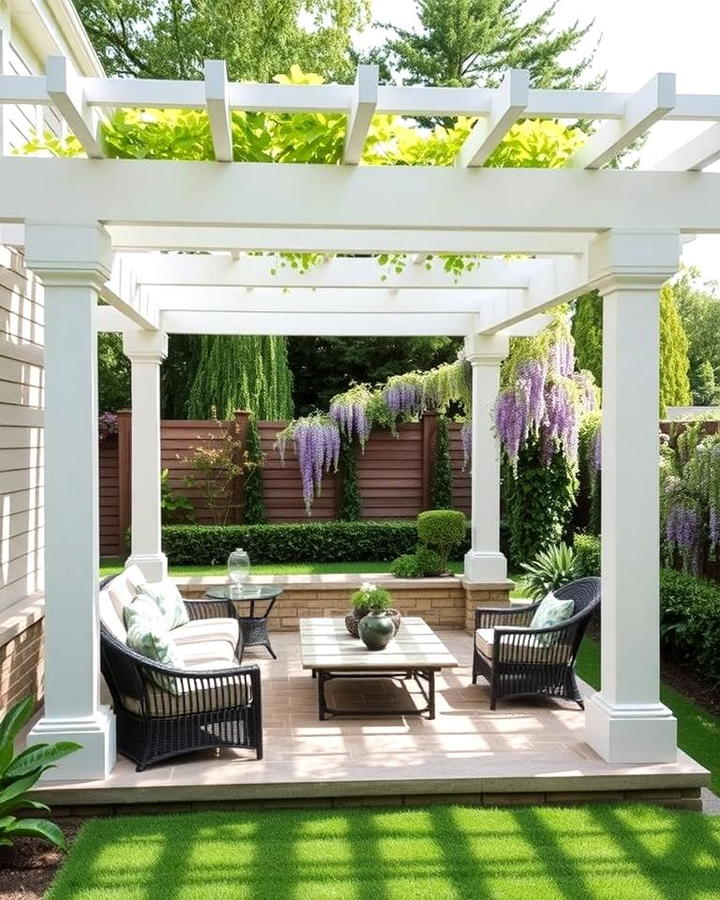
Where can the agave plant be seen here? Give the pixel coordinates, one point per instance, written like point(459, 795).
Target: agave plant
point(550, 569)
point(18, 774)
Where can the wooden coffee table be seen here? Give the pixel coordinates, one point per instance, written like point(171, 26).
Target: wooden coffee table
point(415, 652)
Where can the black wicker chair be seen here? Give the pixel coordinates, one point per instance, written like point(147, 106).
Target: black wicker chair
point(162, 712)
point(516, 664)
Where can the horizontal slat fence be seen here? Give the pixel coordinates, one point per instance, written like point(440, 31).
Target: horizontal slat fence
point(394, 472)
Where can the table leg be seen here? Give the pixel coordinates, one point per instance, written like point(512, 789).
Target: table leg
point(431, 693)
point(322, 705)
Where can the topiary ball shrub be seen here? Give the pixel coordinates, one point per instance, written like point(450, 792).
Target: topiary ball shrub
point(441, 529)
point(406, 566)
point(429, 561)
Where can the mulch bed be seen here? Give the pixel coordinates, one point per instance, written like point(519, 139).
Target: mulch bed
point(28, 867)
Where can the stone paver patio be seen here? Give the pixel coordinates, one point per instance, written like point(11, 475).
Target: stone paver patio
point(527, 750)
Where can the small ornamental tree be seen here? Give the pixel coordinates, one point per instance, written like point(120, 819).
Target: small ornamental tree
point(674, 362)
point(442, 529)
point(441, 486)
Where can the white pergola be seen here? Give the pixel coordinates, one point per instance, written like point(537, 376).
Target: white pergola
point(92, 228)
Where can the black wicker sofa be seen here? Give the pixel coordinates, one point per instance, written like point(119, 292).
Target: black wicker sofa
point(509, 655)
point(162, 712)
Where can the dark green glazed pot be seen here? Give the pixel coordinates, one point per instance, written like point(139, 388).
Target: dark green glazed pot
point(376, 630)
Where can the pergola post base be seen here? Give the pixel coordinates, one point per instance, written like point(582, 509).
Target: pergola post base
point(631, 733)
point(96, 736)
point(154, 566)
point(485, 567)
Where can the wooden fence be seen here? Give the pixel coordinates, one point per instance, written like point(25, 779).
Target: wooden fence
point(394, 474)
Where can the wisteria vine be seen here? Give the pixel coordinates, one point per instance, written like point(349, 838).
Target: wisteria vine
point(317, 447)
point(543, 396)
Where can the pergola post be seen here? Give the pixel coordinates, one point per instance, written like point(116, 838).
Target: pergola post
point(146, 351)
point(484, 563)
point(73, 262)
point(625, 721)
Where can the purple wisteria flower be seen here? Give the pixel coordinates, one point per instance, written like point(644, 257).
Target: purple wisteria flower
point(403, 398)
point(107, 425)
point(317, 446)
point(349, 413)
point(511, 422)
point(682, 532)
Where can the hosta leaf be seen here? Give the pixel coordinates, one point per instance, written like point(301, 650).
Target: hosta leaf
point(14, 720)
point(39, 757)
point(39, 828)
point(9, 796)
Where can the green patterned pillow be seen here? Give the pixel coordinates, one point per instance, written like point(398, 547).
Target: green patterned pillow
point(155, 644)
point(169, 601)
point(552, 611)
point(145, 611)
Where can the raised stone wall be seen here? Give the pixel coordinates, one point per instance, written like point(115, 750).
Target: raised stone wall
point(442, 602)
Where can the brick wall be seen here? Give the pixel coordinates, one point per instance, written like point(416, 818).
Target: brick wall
point(21, 667)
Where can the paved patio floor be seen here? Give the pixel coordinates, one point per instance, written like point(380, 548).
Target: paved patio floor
point(527, 749)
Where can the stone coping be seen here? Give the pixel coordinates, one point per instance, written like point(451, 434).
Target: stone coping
point(331, 581)
point(18, 617)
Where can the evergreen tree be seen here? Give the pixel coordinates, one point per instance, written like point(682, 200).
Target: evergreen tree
point(674, 362)
point(704, 388)
point(113, 373)
point(241, 372)
point(442, 496)
point(587, 331)
point(463, 43)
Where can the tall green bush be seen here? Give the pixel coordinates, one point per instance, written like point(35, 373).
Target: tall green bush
point(254, 511)
point(350, 505)
point(441, 485)
point(674, 362)
point(587, 330)
point(538, 501)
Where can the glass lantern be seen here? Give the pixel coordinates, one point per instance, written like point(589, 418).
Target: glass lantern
point(238, 570)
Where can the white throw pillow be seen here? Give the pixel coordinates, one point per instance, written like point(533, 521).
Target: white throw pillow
point(156, 644)
point(144, 611)
point(169, 601)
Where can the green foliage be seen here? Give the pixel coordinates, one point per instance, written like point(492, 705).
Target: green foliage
point(674, 362)
point(176, 508)
point(206, 545)
point(442, 529)
point(690, 621)
point(441, 484)
point(350, 501)
point(587, 555)
point(429, 561)
point(703, 385)
point(406, 566)
point(254, 508)
point(20, 773)
point(371, 598)
point(699, 307)
point(550, 570)
point(178, 374)
point(241, 372)
point(538, 501)
point(462, 43)
point(170, 39)
point(113, 373)
point(587, 329)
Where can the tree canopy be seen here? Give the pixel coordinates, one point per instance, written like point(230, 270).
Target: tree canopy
point(699, 307)
point(464, 43)
point(257, 38)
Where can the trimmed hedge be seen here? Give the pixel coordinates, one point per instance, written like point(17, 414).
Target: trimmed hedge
point(689, 611)
point(207, 545)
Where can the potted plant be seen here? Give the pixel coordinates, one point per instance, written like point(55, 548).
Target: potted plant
point(367, 599)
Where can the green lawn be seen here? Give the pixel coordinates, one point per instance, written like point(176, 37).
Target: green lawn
point(698, 730)
point(428, 853)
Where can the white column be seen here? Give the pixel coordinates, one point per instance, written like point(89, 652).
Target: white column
point(484, 563)
point(73, 262)
point(146, 351)
point(625, 722)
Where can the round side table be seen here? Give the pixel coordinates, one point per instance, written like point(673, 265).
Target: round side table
point(254, 622)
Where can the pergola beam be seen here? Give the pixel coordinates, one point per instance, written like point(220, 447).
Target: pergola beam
point(342, 272)
point(355, 241)
point(651, 103)
point(297, 302)
point(158, 192)
point(124, 294)
point(65, 90)
point(695, 155)
point(217, 101)
point(362, 110)
point(508, 104)
point(307, 323)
